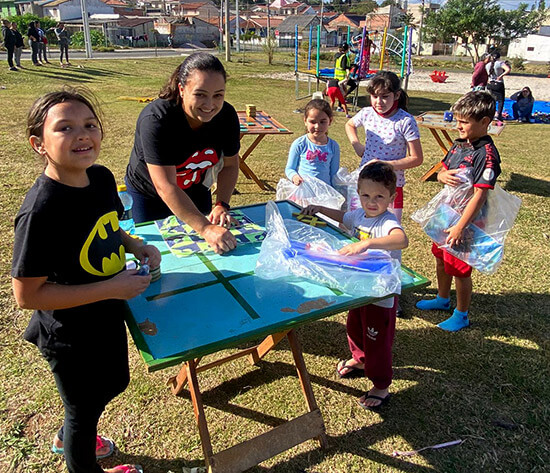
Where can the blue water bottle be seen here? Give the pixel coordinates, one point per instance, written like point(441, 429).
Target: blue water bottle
point(126, 222)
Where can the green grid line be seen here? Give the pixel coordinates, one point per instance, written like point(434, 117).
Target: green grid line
point(229, 288)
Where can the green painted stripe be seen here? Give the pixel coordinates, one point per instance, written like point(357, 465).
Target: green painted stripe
point(245, 305)
point(183, 289)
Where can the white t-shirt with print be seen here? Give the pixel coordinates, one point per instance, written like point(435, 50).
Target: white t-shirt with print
point(363, 227)
point(386, 138)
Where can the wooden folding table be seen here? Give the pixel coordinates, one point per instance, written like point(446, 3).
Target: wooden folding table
point(205, 303)
point(435, 123)
point(261, 125)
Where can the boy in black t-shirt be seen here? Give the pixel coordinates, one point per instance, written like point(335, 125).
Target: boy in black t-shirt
point(474, 149)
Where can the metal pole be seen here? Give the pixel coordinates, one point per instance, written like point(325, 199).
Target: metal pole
point(86, 25)
point(318, 48)
point(420, 29)
point(238, 27)
point(404, 52)
point(309, 46)
point(296, 52)
point(221, 25)
point(227, 33)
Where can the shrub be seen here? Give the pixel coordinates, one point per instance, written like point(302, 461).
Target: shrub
point(96, 37)
point(517, 63)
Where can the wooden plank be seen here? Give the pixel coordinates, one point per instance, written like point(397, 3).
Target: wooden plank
point(247, 454)
point(266, 346)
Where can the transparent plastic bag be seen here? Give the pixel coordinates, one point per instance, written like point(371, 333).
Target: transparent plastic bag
point(294, 248)
point(345, 182)
point(483, 241)
point(312, 191)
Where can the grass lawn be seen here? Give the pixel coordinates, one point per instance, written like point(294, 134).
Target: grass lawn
point(488, 385)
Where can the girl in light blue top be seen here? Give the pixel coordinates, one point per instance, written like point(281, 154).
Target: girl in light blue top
point(314, 154)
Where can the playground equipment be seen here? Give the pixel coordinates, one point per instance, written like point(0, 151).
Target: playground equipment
point(308, 63)
point(439, 76)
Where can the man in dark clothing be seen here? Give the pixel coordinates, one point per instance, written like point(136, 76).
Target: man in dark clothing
point(9, 42)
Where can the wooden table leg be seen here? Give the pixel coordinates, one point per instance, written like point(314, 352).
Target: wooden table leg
point(305, 382)
point(439, 141)
point(245, 168)
point(447, 137)
point(266, 346)
point(198, 409)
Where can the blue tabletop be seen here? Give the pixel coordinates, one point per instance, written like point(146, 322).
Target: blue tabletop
point(207, 302)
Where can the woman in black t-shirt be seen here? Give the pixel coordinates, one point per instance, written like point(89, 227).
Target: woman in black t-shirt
point(185, 141)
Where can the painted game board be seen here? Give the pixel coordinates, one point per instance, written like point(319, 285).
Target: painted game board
point(207, 302)
point(183, 241)
point(262, 123)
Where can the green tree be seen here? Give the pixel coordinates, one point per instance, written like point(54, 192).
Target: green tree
point(472, 21)
point(517, 23)
point(385, 3)
point(46, 23)
point(363, 8)
point(476, 21)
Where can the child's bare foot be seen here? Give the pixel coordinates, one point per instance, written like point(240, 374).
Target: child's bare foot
point(374, 399)
point(350, 369)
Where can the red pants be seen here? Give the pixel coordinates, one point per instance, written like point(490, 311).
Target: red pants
point(335, 93)
point(371, 330)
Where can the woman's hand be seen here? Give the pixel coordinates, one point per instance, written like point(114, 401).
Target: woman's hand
point(219, 238)
point(148, 251)
point(220, 216)
point(448, 177)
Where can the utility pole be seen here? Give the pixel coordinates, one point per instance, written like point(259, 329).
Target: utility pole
point(238, 27)
point(420, 29)
point(227, 33)
point(86, 25)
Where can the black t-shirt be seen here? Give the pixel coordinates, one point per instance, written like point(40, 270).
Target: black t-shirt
point(481, 155)
point(71, 236)
point(163, 137)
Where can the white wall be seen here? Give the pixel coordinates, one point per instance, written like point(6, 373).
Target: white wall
point(71, 10)
point(534, 47)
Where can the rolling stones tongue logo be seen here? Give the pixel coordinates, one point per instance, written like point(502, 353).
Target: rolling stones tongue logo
point(191, 171)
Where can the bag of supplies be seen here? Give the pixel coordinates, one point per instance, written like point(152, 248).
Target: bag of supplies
point(312, 191)
point(483, 240)
point(345, 182)
point(295, 248)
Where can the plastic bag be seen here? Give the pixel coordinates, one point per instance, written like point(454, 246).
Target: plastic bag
point(345, 182)
point(312, 191)
point(294, 248)
point(483, 241)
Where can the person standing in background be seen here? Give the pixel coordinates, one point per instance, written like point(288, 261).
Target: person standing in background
point(9, 43)
point(42, 42)
point(497, 69)
point(64, 39)
point(34, 37)
point(480, 77)
point(18, 45)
